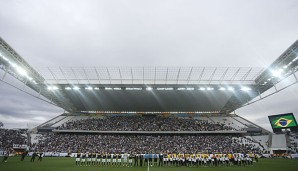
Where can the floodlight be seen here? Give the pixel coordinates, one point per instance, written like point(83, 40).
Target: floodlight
point(88, 88)
point(76, 88)
point(222, 88)
point(117, 88)
point(13, 65)
point(190, 88)
point(96, 88)
point(202, 88)
point(5, 58)
point(53, 88)
point(210, 88)
point(67, 88)
point(132, 88)
point(149, 88)
point(21, 71)
point(231, 88)
point(181, 88)
point(169, 88)
point(245, 88)
point(277, 73)
point(108, 88)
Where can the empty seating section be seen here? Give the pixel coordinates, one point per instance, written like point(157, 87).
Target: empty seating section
point(246, 122)
point(279, 141)
point(262, 139)
point(229, 121)
point(248, 141)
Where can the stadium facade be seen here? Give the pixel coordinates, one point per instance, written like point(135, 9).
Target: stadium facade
point(200, 94)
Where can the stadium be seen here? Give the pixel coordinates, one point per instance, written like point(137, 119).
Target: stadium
point(150, 117)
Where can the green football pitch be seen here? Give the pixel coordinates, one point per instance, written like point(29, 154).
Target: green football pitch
point(68, 164)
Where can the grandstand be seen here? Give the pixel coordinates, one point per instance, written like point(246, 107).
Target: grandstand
point(151, 109)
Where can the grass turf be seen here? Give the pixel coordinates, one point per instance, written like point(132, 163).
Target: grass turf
point(68, 164)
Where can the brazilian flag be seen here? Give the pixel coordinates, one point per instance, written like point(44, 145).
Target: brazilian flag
point(283, 121)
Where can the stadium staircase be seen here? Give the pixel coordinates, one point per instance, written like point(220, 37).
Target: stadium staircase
point(211, 119)
point(239, 121)
point(52, 121)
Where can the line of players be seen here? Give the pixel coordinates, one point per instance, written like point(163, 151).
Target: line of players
point(88, 159)
point(189, 160)
point(193, 160)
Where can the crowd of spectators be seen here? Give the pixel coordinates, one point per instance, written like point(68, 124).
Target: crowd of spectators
point(143, 123)
point(9, 137)
point(53, 142)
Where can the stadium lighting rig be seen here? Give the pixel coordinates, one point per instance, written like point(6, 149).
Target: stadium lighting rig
point(76, 88)
point(162, 88)
point(245, 88)
point(231, 88)
point(68, 88)
point(277, 73)
point(22, 72)
point(88, 88)
point(202, 88)
point(53, 88)
point(283, 67)
point(133, 88)
point(222, 89)
point(135, 112)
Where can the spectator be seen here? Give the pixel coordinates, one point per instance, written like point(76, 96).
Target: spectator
point(143, 123)
point(143, 144)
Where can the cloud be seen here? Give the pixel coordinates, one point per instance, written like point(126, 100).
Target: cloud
point(167, 33)
point(20, 110)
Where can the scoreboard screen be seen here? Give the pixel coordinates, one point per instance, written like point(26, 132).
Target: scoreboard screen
point(283, 121)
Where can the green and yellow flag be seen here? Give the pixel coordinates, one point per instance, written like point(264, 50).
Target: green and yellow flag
point(283, 121)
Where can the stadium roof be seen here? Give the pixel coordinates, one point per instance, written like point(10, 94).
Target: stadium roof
point(149, 89)
point(149, 75)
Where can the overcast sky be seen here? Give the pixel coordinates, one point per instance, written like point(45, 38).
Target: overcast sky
point(146, 33)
